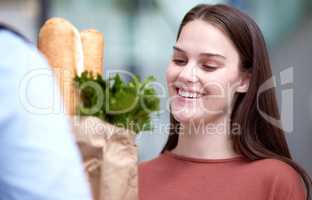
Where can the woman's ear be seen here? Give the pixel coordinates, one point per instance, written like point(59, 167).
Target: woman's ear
point(244, 82)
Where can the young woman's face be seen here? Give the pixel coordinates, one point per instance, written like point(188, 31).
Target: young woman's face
point(203, 74)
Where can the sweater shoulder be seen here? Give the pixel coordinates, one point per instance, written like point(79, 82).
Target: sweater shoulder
point(276, 168)
point(286, 181)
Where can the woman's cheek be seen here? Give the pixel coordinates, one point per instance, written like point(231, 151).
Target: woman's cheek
point(171, 76)
point(168, 74)
point(213, 83)
point(220, 82)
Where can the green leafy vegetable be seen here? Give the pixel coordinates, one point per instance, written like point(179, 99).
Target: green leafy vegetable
point(128, 105)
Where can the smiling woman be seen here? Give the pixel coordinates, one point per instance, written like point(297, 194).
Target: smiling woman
point(220, 147)
point(208, 65)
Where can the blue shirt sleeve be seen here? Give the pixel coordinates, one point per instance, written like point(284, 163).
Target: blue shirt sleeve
point(38, 155)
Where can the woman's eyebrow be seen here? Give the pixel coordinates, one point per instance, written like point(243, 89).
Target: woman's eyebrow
point(201, 54)
point(178, 49)
point(213, 55)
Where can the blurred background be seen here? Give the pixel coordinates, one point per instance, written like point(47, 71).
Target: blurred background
point(139, 35)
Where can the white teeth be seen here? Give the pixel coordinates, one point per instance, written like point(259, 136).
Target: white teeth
point(188, 94)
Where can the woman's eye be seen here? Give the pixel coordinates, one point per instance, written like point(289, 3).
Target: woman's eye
point(208, 68)
point(179, 62)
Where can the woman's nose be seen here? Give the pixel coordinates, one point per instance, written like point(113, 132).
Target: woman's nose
point(189, 73)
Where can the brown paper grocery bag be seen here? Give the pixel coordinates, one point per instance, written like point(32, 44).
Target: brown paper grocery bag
point(110, 158)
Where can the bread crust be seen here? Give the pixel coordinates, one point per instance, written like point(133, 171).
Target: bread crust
point(93, 50)
point(59, 41)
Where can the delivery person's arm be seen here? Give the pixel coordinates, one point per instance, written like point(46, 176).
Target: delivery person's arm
point(38, 156)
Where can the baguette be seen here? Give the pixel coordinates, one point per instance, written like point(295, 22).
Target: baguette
point(60, 42)
point(93, 45)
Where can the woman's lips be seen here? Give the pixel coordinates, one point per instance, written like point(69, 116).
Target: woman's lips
point(188, 98)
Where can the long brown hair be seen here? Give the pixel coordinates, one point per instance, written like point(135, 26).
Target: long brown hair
point(257, 138)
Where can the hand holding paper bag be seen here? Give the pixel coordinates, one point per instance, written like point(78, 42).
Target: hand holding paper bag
point(110, 157)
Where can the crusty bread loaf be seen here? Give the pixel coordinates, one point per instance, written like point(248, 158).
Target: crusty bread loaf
point(60, 42)
point(93, 45)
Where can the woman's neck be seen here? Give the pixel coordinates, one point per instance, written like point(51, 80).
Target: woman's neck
point(206, 140)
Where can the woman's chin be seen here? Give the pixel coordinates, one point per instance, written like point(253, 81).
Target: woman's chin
point(194, 116)
point(185, 117)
